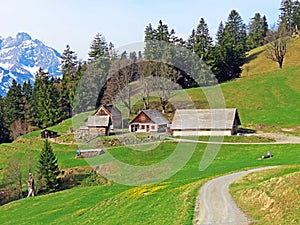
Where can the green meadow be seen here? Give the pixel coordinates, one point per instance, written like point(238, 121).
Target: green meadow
point(267, 99)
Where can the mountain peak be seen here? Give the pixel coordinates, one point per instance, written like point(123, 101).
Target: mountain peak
point(22, 36)
point(21, 57)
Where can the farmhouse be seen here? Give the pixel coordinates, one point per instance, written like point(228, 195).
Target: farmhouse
point(114, 114)
point(48, 134)
point(149, 120)
point(98, 125)
point(205, 122)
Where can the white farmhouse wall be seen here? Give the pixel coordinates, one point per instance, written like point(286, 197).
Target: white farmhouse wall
point(202, 133)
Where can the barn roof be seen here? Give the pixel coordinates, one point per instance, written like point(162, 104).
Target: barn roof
point(155, 116)
point(49, 131)
point(113, 111)
point(99, 121)
point(205, 119)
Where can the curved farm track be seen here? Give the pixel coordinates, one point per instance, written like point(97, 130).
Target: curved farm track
point(214, 204)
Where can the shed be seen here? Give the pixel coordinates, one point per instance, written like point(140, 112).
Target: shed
point(111, 111)
point(205, 122)
point(88, 153)
point(48, 134)
point(98, 125)
point(150, 120)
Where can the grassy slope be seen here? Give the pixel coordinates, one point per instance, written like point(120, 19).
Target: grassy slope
point(264, 95)
point(272, 197)
point(170, 202)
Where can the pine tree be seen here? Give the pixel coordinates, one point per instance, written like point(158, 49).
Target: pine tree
point(4, 131)
point(258, 28)
point(48, 170)
point(286, 15)
point(27, 93)
point(89, 91)
point(219, 35)
point(14, 104)
point(99, 48)
point(68, 83)
point(200, 41)
point(296, 16)
point(157, 47)
point(45, 100)
point(229, 53)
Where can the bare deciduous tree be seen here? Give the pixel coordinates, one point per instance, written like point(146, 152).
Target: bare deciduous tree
point(145, 70)
point(276, 47)
point(121, 73)
point(165, 83)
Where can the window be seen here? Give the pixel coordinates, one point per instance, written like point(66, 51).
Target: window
point(152, 127)
point(143, 127)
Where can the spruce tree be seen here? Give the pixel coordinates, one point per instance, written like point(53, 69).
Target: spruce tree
point(229, 53)
point(48, 170)
point(45, 100)
point(4, 131)
point(99, 48)
point(258, 28)
point(69, 82)
point(286, 15)
point(14, 103)
point(200, 41)
point(296, 16)
point(27, 92)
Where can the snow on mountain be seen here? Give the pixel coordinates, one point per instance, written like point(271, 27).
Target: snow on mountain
point(21, 57)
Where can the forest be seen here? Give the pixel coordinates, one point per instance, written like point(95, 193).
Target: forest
point(107, 73)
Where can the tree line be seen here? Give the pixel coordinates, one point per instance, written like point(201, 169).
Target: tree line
point(50, 100)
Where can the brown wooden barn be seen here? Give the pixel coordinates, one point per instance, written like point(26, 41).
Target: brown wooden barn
point(114, 114)
point(48, 134)
point(149, 120)
point(98, 125)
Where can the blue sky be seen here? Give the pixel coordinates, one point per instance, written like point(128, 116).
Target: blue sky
point(76, 22)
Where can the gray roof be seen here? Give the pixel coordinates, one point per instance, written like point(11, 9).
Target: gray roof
point(99, 121)
point(113, 110)
point(155, 116)
point(186, 119)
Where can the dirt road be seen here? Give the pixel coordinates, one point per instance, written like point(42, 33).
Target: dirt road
point(214, 204)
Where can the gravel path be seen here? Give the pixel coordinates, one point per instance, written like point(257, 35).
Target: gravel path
point(214, 204)
point(279, 140)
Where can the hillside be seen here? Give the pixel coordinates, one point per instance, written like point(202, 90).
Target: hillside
point(267, 99)
point(270, 196)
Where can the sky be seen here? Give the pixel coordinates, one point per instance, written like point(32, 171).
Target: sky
point(76, 22)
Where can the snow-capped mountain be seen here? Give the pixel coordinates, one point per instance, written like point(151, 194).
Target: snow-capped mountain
point(21, 57)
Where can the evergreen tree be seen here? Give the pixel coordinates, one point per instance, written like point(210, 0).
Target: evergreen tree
point(89, 91)
point(157, 47)
point(4, 131)
point(258, 28)
point(68, 83)
point(45, 100)
point(13, 103)
point(27, 92)
point(99, 48)
point(286, 15)
point(200, 41)
point(112, 51)
point(48, 169)
point(296, 16)
point(229, 53)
